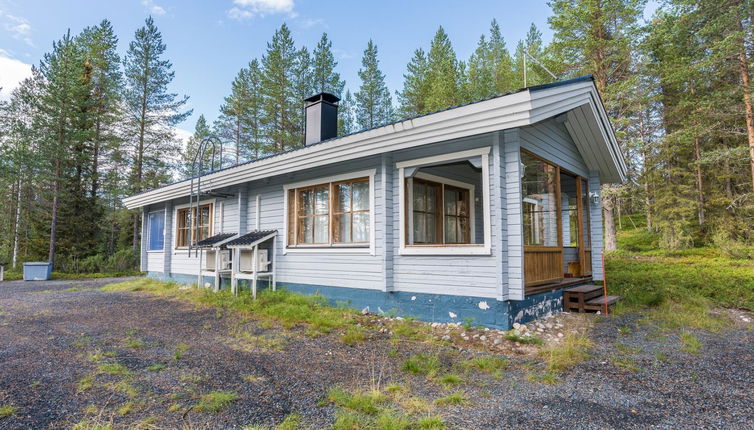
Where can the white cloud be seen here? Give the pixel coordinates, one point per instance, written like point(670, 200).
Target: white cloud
point(153, 8)
point(307, 23)
point(245, 9)
point(12, 72)
point(18, 27)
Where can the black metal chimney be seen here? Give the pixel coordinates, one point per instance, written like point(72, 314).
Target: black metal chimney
point(321, 117)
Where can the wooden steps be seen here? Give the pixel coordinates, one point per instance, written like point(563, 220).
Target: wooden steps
point(587, 298)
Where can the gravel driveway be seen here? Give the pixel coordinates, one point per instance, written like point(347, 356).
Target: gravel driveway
point(70, 352)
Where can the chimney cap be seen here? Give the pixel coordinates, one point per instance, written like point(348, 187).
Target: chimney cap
point(327, 97)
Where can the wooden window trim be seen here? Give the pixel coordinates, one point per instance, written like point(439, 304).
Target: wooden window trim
point(293, 240)
point(334, 213)
point(439, 213)
point(181, 226)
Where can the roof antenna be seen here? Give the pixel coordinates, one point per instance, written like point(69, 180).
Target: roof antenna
point(537, 62)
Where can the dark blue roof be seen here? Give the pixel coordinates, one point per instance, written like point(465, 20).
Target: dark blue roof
point(249, 238)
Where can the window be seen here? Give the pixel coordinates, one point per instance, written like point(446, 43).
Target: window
point(585, 217)
point(185, 230)
point(539, 191)
point(569, 209)
point(156, 231)
point(445, 204)
point(330, 214)
point(440, 213)
point(351, 214)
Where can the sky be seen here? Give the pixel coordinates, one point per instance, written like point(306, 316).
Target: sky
point(208, 42)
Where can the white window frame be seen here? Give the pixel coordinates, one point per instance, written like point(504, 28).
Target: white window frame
point(149, 230)
point(471, 188)
point(212, 228)
point(480, 249)
point(340, 248)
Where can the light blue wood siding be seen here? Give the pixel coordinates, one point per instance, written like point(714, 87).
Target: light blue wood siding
point(461, 275)
point(498, 276)
point(514, 263)
point(551, 141)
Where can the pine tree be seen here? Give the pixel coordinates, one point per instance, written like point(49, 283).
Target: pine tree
point(201, 132)
point(481, 83)
point(413, 97)
point(444, 77)
point(65, 114)
point(325, 78)
point(373, 101)
point(503, 76)
point(152, 112)
point(281, 109)
point(100, 44)
point(303, 87)
point(526, 71)
point(346, 115)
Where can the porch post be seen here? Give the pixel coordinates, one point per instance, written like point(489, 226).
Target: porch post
point(217, 269)
point(255, 267)
point(595, 219)
point(199, 279)
point(273, 282)
point(235, 261)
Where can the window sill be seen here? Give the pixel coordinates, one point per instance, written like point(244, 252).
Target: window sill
point(366, 249)
point(445, 250)
point(155, 251)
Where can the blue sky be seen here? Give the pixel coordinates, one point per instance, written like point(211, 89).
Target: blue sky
point(209, 41)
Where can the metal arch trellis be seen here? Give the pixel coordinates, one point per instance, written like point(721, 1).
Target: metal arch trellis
point(195, 192)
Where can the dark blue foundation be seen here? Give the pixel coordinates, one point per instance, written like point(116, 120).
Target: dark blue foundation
point(484, 311)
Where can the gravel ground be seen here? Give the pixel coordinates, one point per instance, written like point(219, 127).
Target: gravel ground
point(54, 335)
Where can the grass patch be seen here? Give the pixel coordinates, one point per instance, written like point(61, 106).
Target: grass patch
point(573, 350)
point(421, 364)
point(549, 378)
point(126, 408)
point(690, 342)
point(487, 363)
point(179, 350)
point(93, 424)
point(369, 403)
point(215, 401)
point(281, 307)
point(431, 423)
point(625, 363)
point(529, 339)
point(132, 342)
point(354, 335)
point(690, 280)
point(450, 379)
point(7, 411)
point(113, 369)
point(291, 422)
point(408, 328)
point(85, 383)
point(457, 398)
point(156, 367)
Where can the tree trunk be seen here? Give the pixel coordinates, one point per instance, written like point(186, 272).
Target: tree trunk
point(743, 67)
point(54, 220)
point(95, 158)
point(17, 226)
point(699, 184)
point(611, 242)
